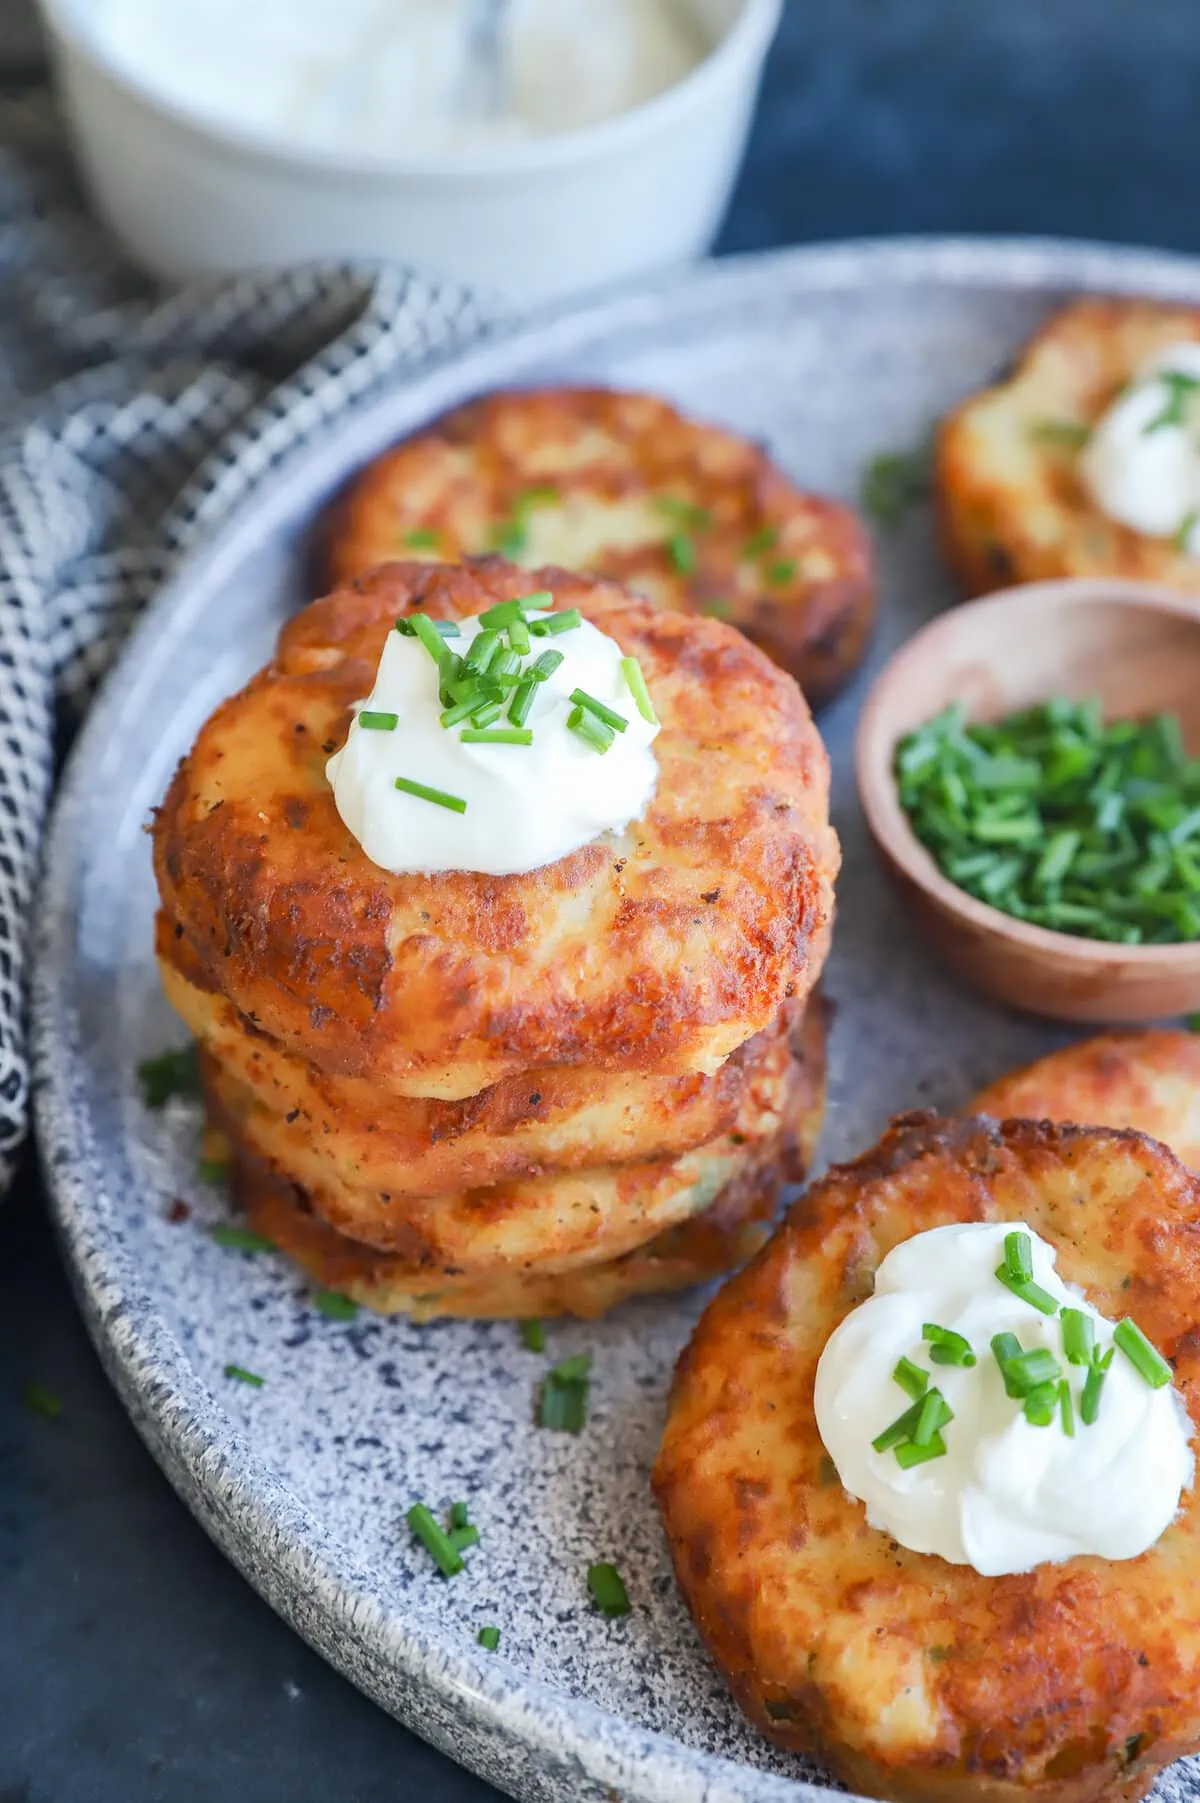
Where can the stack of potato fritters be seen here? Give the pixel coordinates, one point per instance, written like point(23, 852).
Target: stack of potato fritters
point(465, 1094)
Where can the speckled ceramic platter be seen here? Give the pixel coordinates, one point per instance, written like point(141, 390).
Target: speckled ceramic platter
point(831, 355)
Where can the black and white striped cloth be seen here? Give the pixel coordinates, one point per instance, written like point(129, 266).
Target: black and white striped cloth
point(131, 420)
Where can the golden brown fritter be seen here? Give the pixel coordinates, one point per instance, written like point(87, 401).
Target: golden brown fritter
point(622, 486)
point(663, 948)
point(351, 1133)
point(912, 1678)
point(1010, 500)
point(548, 1223)
point(1149, 1081)
point(713, 1242)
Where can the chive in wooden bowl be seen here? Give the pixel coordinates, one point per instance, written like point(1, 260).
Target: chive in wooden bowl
point(1134, 646)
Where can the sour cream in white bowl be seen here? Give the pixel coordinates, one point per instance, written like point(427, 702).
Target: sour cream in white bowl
point(220, 136)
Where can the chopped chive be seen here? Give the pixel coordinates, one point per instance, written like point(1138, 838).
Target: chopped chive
point(765, 539)
point(486, 712)
point(172, 1073)
point(522, 701)
point(462, 710)
point(608, 1589)
point(1089, 1402)
point(635, 682)
point(609, 715)
point(505, 663)
point(377, 722)
point(435, 1540)
point(934, 1414)
point(715, 607)
point(460, 1515)
point(947, 1347)
point(592, 731)
point(480, 652)
point(893, 483)
point(553, 624)
point(497, 735)
point(496, 618)
point(212, 1170)
point(1071, 434)
point(461, 1538)
point(334, 1306)
point(1041, 1404)
point(1032, 1293)
point(1078, 1336)
point(687, 512)
point(899, 1429)
point(682, 551)
point(1018, 1257)
point(518, 635)
point(453, 802)
point(422, 538)
point(240, 1239)
point(407, 628)
point(1005, 1346)
point(544, 665)
point(910, 1377)
point(783, 571)
point(489, 1639)
point(433, 641)
point(1187, 525)
point(1066, 1408)
point(533, 1336)
point(42, 1400)
point(1192, 1022)
point(540, 598)
point(563, 1402)
point(240, 1375)
point(911, 1454)
point(542, 494)
point(1145, 1358)
point(510, 537)
point(1024, 1372)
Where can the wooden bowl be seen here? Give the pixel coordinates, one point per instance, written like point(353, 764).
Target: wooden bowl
point(1134, 645)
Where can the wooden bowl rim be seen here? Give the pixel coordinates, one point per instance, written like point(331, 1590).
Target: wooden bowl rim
point(879, 795)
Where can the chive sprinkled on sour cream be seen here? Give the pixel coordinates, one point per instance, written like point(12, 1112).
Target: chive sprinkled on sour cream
point(470, 718)
point(1006, 1462)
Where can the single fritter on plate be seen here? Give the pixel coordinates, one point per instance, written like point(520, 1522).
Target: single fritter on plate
point(719, 1238)
point(623, 486)
point(1010, 499)
point(557, 1118)
point(662, 948)
point(1149, 1081)
point(910, 1677)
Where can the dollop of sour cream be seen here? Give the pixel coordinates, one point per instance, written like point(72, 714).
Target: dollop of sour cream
point(1141, 464)
point(1006, 1495)
point(390, 76)
point(526, 805)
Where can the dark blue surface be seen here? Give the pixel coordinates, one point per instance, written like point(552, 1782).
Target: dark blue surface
point(134, 1664)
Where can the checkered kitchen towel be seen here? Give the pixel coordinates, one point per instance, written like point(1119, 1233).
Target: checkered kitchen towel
point(131, 420)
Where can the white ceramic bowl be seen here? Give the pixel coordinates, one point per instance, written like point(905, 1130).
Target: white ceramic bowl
point(535, 221)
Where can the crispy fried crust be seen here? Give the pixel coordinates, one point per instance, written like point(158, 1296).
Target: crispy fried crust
point(717, 1241)
point(554, 1119)
point(911, 1678)
point(584, 478)
point(1010, 502)
point(723, 1236)
point(662, 948)
point(547, 1223)
point(1149, 1081)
